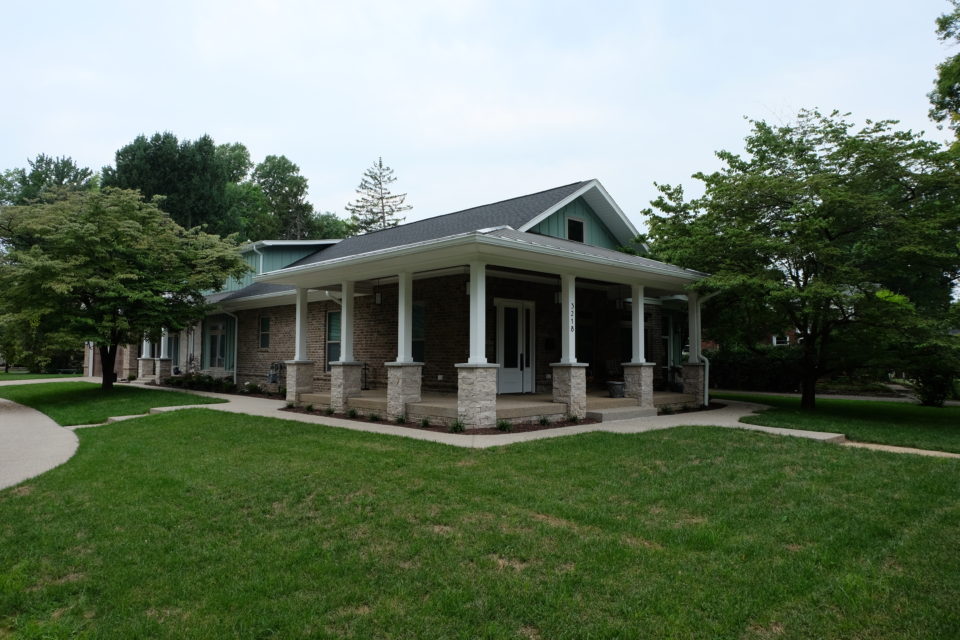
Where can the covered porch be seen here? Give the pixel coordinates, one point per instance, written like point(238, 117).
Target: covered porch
point(510, 332)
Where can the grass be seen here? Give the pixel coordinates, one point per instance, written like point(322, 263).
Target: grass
point(12, 376)
point(897, 423)
point(199, 524)
point(70, 403)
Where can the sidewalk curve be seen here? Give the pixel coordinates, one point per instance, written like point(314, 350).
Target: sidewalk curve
point(30, 443)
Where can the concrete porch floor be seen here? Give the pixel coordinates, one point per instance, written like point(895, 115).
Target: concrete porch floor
point(512, 406)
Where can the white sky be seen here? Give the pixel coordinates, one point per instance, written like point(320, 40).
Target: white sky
point(469, 101)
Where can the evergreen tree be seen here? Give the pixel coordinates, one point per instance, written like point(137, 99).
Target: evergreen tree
point(377, 208)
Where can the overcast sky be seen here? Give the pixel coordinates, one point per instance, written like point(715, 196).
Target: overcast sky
point(470, 102)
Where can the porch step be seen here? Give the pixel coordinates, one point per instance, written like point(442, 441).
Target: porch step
point(621, 413)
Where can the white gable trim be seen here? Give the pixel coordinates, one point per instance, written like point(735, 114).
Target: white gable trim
point(602, 204)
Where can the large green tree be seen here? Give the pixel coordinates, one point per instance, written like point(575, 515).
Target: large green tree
point(376, 207)
point(846, 235)
point(285, 192)
point(44, 177)
point(106, 267)
point(945, 97)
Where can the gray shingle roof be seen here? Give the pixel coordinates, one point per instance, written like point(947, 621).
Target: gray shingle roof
point(514, 212)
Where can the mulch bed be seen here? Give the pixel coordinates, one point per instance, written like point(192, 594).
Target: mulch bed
point(439, 428)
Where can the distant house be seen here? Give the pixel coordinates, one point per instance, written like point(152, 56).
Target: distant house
point(525, 296)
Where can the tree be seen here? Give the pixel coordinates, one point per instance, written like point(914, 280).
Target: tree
point(841, 233)
point(286, 193)
point(192, 177)
point(945, 97)
point(46, 175)
point(106, 267)
point(377, 208)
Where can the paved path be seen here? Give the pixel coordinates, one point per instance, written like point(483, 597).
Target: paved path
point(30, 443)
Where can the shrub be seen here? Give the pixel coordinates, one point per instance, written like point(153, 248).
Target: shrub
point(291, 405)
point(282, 392)
point(424, 422)
point(252, 387)
point(573, 419)
point(373, 417)
point(457, 426)
point(543, 421)
point(328, 411)
point(768, 368)
point(309, 408)
point(401, 419)
point(352, 413)
point(504, 425)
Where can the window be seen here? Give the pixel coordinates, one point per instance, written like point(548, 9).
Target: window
point(264, 332)
point(333, 337)
point(173, 348)
point(780, 341)
point(575, 230)
point(419, 324)
point(217, 345)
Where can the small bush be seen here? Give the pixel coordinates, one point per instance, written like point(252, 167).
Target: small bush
point(352, 413)
point(282, 392)
point(291, 405)
point(457, 426)
point(573, 419)
point(504, 425)
point(252, 387)
point(401, 419)
point(543, 421)
point(666, 411)
point(309, 408)
point(373, 417)
point(424, 422)
point(328, 411)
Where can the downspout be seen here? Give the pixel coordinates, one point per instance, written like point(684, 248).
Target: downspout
point(705, 359)
point(259, 260)
point(236, 341)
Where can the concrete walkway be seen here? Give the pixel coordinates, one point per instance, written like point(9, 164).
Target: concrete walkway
point(30, 443)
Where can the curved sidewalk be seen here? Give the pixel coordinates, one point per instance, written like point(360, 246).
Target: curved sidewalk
point(30, 443)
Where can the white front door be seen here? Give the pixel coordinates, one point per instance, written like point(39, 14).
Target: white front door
point(515, 352)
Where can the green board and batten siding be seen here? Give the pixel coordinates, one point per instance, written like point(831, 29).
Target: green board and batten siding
point(273, 258)
point(595, 233)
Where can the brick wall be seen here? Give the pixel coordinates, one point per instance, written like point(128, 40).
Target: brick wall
point(446, 332)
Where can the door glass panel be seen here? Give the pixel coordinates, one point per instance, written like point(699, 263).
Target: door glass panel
point(510, 337)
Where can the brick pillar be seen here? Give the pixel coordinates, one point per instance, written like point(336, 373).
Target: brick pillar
point(129, 365)
point(164, 368)
point(693, 379)
point(570, 386)
point(146, 368)
point(344, 383)
point(477, 394)
point(638, 382)
point(299, 378)
point(403, 386)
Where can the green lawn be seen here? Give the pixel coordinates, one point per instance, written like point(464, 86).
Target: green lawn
point(70, 403)
point(12, 376)
point(896, 423)
point(199, 524)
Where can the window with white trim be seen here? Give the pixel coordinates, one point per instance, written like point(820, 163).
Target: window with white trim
point(264, 330)
point(333, 337)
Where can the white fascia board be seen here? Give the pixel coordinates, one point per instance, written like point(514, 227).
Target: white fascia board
point(461, 248)
point(602, 204)
point(287, 243)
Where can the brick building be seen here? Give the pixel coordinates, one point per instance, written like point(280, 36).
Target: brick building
point(523, 296)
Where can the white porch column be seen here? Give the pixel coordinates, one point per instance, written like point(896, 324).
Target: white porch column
point(405, 318)
point(693, 320)
point(568, 307)
point(637, 327)
point(147, 350)
point(346, 321)
point(163, 367)
point(478, 313)
point(300, 344)
point(164, 344)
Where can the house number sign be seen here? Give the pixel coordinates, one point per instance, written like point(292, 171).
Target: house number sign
point(573, 317)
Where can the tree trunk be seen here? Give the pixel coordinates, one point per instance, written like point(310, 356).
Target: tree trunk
point(808, 376)
point(108, 361)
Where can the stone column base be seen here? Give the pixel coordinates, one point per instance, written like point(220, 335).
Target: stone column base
point(570, 386)
point(345, 383)
point(146, 369)
point(299, 378)
point(477, 394)
point(638, 382)
point(693, 380)
point(164, 369)
point(403, 386)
